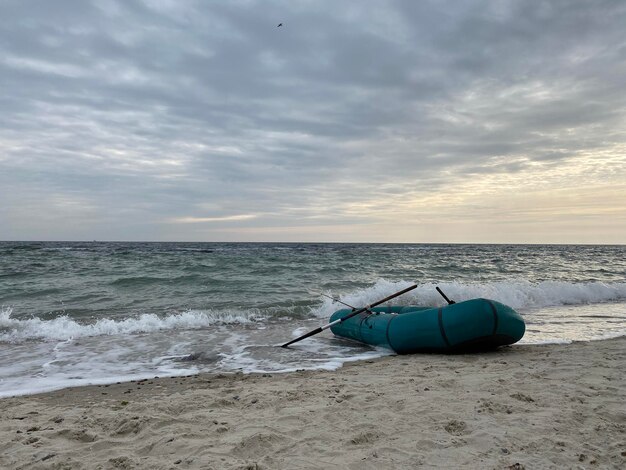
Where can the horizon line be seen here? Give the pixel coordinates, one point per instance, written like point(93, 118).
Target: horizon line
point(316, 242)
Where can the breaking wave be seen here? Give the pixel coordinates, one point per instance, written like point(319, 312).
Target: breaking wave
point(519, 294)
point(62, 328)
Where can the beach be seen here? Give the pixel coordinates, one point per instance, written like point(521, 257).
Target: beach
point(525, 406)
point(386, 189)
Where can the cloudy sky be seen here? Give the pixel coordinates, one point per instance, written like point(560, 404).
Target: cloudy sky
point(362, 120)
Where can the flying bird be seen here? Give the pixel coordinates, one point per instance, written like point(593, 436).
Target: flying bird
point(279, 25)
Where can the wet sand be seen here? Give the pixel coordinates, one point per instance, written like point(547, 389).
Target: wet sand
point(549, 406)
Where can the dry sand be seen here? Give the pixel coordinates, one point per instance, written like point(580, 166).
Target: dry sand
point(553, 406)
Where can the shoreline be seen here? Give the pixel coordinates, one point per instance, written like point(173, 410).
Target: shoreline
point(542, 406)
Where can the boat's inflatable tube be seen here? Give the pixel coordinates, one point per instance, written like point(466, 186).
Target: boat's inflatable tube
point(475, 324)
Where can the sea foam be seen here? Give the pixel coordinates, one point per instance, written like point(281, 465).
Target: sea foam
point(518, 294)
point(63, 328)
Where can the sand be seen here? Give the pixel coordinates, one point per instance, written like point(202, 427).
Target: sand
point(552, 406)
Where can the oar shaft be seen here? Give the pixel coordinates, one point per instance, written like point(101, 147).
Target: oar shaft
point(350, 315)
point(310, 333)
point(337, 300)
point(343, 303)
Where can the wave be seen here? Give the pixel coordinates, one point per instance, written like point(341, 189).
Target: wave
point(140, 281)
point(63, 328)
point(518, 294)
point(521, 295)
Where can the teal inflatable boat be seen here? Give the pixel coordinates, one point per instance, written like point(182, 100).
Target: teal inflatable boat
point(477, 324)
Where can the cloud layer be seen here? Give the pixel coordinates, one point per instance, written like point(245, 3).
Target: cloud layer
point(482, 121)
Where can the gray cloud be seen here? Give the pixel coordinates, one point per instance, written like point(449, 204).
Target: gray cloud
point(120, 118)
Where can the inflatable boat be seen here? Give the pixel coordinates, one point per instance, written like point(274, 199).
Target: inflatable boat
point(477, 324)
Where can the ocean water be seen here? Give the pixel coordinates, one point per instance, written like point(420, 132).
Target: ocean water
point(90, 313)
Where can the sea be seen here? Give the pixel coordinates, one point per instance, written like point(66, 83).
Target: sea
point(78, 313)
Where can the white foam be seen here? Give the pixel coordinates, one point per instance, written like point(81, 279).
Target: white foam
point(315, 356)
point(519, 294)
point(595, 337)
point(609, 335)
point(64, 328)
point(330, 363)
point(38, 366)
point(36, 385)
point(529, 342)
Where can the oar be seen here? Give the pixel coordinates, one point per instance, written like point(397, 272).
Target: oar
point(450, 302)
point(350, 315)
point(334, 299)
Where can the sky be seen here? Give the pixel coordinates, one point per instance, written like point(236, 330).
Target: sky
point(355, 121)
